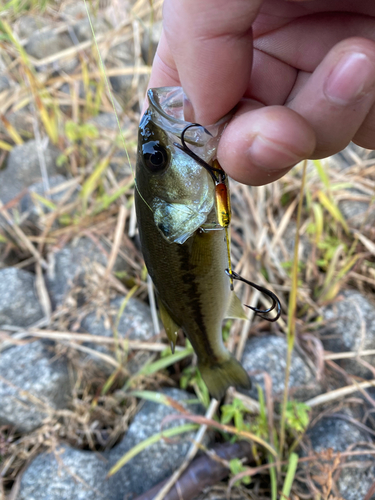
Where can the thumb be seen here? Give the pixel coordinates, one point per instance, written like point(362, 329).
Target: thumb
point(211, 45)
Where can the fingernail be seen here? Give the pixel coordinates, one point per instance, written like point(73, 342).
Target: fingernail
point(351, 79)
point(272, 156)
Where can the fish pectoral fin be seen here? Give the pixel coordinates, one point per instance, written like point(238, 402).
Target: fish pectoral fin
point(171, 328)
point(234, 308)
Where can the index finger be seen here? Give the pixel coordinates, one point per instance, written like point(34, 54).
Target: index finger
point(206, 48)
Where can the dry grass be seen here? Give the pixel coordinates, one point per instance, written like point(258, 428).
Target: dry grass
point(334, 253)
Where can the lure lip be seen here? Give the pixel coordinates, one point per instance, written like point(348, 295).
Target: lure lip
point(154, 95)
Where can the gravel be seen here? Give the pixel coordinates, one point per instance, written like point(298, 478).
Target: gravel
point(71, 264)
point(32, 385)
point(49, 479)
point(33, 210)
point(29, 25)
point(19, 304)
point(268, 354)
point(337, 434)
point(350, 327)
point(23, 168)
point(4, 83)
point(48, 43)
point(135, 324)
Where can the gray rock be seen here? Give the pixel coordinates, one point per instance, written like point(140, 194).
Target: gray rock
point(28, 25)
point(268, 354)
point(41, 45)
point(135, 324)
point(121, 54)
point(351, 327)
point(4, 83)
point(107, 126)
point(105, 121)
point(21, 120)
point(70, 265)
point(67, 89)
point(356, 211)
point(33, 210)
point(150, 42)
point(285, 248)
point(23, 169)
point(82, 29)
point(45, 479)
point(356, 479)
point(350, 156)
point(36, 384)
point(74, 10)
point(122, 85)
point(19, 304)
point(161, 459)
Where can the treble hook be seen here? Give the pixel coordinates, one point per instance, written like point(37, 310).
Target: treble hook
point(260, 312)
point(202, 163)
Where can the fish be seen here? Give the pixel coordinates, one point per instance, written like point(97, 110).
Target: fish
point(184, 247)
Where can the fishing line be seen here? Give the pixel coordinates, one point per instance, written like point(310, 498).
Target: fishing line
point(103, 70)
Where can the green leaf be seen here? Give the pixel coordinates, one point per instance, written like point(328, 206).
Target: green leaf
point(71, 130)
point(236, 466)
point(297, 415)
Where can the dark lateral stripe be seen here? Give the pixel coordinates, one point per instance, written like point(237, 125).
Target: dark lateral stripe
point(194, 299)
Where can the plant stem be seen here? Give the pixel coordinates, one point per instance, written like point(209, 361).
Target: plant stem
point(292, 314)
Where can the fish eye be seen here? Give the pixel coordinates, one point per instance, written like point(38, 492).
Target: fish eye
point(155, 156)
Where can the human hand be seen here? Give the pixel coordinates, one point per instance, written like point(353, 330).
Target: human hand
point(302, 74)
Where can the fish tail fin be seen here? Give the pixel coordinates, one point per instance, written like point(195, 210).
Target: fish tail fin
point(223, 374)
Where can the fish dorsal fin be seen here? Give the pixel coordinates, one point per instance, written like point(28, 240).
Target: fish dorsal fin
point(171, 328)
point(234, 308)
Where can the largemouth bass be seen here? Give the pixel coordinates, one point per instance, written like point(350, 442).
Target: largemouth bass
point(184, 251)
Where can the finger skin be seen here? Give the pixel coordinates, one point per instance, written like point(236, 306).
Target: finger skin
point(261, 143)
point(338, 96)
point(212, 51)
point(365, 136)
point(298, 46)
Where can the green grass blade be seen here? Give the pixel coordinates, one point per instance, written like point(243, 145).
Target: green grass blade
point(333, 209)
point(162, 363)
point(322, 173)
point(273, 479)
point(92, 182)
point(168, 433)
point(155, 397)
point(104, 74)
point(292, 313)
point(288, 483)
point(319, 221)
